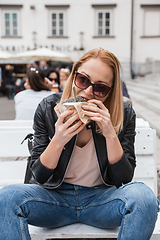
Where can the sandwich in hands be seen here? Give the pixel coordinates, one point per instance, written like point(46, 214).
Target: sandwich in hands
point(76, 106)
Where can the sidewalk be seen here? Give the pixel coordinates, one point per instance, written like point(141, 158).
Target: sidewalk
point(7, 111)
point(145, 95)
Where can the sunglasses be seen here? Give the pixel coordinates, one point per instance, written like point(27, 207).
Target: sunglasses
point(99, 89)
point(55, 79)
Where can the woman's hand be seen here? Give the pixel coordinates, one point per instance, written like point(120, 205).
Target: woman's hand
point(101, 116)
point(48, 83)
point(64, 131)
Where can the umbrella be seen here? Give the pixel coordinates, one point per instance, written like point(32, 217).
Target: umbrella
point(5, 55)
point(41, 54)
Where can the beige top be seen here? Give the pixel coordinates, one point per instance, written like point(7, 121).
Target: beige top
point(83, 168)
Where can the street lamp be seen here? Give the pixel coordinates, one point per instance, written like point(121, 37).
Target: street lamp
point(81, 40)
point(34, 34)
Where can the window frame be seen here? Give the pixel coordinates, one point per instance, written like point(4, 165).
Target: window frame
point(149, 8)
point(104, 11)
point(10, 12)
point(58, 12)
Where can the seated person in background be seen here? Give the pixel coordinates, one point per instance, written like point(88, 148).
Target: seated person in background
point(9, 83)
point(37, 87)
point(126, 97)
point(64, 74)
point(43, 66)
point(53, 76)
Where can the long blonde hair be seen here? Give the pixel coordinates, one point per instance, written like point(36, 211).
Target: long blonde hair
point(114, 101)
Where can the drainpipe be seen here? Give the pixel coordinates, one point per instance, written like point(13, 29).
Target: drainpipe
point(131, 50)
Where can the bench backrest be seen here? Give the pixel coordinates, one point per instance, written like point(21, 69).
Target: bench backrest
point(10, 146)
point(145, 149)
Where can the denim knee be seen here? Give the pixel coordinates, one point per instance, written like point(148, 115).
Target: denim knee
point(8, 195)
point(140, 196)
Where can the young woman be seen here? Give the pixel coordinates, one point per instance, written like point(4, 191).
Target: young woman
point(64, 74)
point(53, 75)
point(36, 88)
point(82, 173)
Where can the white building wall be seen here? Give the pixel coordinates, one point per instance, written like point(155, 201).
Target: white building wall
point(146, 43)
point(81, 18)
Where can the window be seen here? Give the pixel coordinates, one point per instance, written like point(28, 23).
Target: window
point(103, 23)
point(11, 23)
point(151, 24)
point(57, 20)
point(58, 23)
point(104, 19)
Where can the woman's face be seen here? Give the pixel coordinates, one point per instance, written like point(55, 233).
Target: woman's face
point(97, 72)
point(53, 77)
point(63, 76)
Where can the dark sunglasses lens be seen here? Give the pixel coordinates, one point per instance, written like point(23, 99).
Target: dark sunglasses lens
point(100, 90)
point(81, 81)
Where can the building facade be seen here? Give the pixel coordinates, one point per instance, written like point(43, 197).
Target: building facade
point(128, 28)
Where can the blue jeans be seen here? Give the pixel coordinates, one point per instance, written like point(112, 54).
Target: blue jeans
point(133, 206)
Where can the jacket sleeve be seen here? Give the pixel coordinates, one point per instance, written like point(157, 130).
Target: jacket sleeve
point(39, 173)
point(123, 170)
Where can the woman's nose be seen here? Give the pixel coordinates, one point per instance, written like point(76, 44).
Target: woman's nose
point(89, 90)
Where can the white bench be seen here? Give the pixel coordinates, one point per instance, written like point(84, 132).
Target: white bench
point(12, 132)
point(14, 171)
point(16, 123)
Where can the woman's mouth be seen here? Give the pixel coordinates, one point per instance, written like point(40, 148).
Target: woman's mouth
point(85, 97)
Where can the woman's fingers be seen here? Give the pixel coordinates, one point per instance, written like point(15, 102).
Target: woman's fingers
point(63, 115)
point(98, 103)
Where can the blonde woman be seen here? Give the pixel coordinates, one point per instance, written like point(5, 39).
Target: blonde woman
point(64, 74)
point(83, 173)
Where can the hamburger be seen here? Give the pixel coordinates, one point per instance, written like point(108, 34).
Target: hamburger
point(76, 106)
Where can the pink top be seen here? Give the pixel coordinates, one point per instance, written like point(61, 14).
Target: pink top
point(83, 168)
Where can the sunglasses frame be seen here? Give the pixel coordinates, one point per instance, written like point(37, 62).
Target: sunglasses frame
point(92, 84)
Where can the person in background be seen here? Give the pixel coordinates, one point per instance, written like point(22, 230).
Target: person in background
point(37, 87)
point(126, 96)
point(9, 83)
point(82, 172)
point(64, 74)
point(53, 76)
point(35, 64)
point(43, 65)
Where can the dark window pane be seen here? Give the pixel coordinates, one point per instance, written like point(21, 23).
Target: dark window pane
point(107, 31)
point(107, 15)
point(53, 16)
point(61, 16)
point(61, 24)
point(14, 24)
point(100, 23)
point(7, 32)
point(54, 31)
point(14, 16)
point(61, 32)
point(99, 15)
point(100, 31)
point(6, 16)
point(107, 23)
point(53, 24)
point(7, 24)
point(15, 32)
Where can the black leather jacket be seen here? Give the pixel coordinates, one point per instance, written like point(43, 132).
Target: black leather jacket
point(112, 174)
